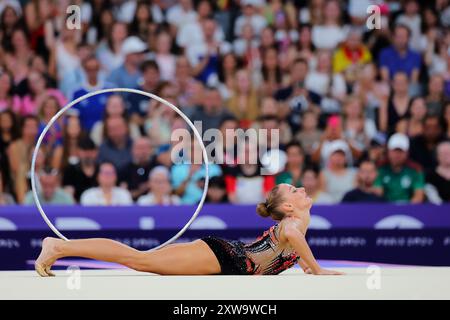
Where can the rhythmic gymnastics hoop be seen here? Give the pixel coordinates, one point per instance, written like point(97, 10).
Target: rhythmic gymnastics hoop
point(136, 91)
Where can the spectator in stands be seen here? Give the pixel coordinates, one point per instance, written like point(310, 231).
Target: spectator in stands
point(10, 18)
point(371, 90)
point(435, 98)
point(187, 175)
point(116, 148)
point(412, 123)
point(91, 109)
point(192, 33)
point(72, 79)
point(49, 191)
point(358, 129)
point(66, 49)
point(245, 184)
point(181, 14)
point(333, 132)
point(17, 58)
point(294, 166)
point(159, 189)
point(217, 191)
point(395, 108)
point(412, 19)
point(9, 132)
point(5, 197)
point(351, 56)
point(243, 102)
point(185, 84)
point(376, 151)
point(163, 56)
point(273, 116)
point(53, 139)
point(8, 100)
point(295, 98)
point(19, 154)
point(204, 57)
point(328, 32)
point(72, 136)
point(82, 175)
point(160, 118)
point(109, 51)
point(330, 86)
point(135, 175)
point(364, 192)
point(225, 150)
point(107, 193)
point(309, 135)
point(138, 103)
point(400, 180)
point(38, 92)
point(337, 178)
point(399, 57)
point(270, 71)
point(115, 107)
point(423, 147)
point(249, 15)
point(311, 183)
point(128, 74)
point(212, 110)
point(439, 177)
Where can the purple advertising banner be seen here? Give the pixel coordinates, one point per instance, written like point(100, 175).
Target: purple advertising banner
point(221, 217)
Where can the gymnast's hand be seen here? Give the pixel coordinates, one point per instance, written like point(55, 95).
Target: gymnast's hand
point(325, 272)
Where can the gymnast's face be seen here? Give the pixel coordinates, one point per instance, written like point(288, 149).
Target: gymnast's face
point(295, 199)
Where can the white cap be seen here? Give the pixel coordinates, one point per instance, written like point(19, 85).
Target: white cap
point(337, 145)
point(398, 141)
point(133, 45)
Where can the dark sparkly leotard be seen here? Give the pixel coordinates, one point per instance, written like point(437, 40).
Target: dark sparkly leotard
point(264, 256)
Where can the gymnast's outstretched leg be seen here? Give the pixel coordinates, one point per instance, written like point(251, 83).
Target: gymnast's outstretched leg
point(193, 258)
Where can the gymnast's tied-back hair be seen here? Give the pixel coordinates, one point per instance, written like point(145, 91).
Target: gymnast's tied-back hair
point(270, 207)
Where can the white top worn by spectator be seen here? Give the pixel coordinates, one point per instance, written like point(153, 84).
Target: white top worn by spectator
point(338, 185)
point(149, 199)
point(65, 61)
point(177, 16)
point(192, 34)
point(127, 12)
point(257, 21)
point(414, 24)
point(96, 197)
point(109, 59)
point(240, 46)
point(318, 82)
point(327, 37)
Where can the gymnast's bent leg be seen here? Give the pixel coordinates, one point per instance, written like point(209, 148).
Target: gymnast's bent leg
point(193, 258)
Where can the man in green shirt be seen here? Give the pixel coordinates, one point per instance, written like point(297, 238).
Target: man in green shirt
point(401, 180)
point(49, 191)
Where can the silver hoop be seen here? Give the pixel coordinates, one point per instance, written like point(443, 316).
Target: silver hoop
point(94, 93)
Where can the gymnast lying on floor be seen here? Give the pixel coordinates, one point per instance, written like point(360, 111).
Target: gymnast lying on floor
point(279, 248)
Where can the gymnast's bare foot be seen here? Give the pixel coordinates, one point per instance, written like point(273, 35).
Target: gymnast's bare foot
point(48, 256)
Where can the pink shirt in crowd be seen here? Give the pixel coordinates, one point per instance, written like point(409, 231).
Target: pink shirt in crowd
point(28, 105)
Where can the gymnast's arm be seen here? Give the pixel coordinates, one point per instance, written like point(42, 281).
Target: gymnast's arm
point(298, 241)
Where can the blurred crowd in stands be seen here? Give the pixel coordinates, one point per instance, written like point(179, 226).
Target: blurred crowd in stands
point(363, 113)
